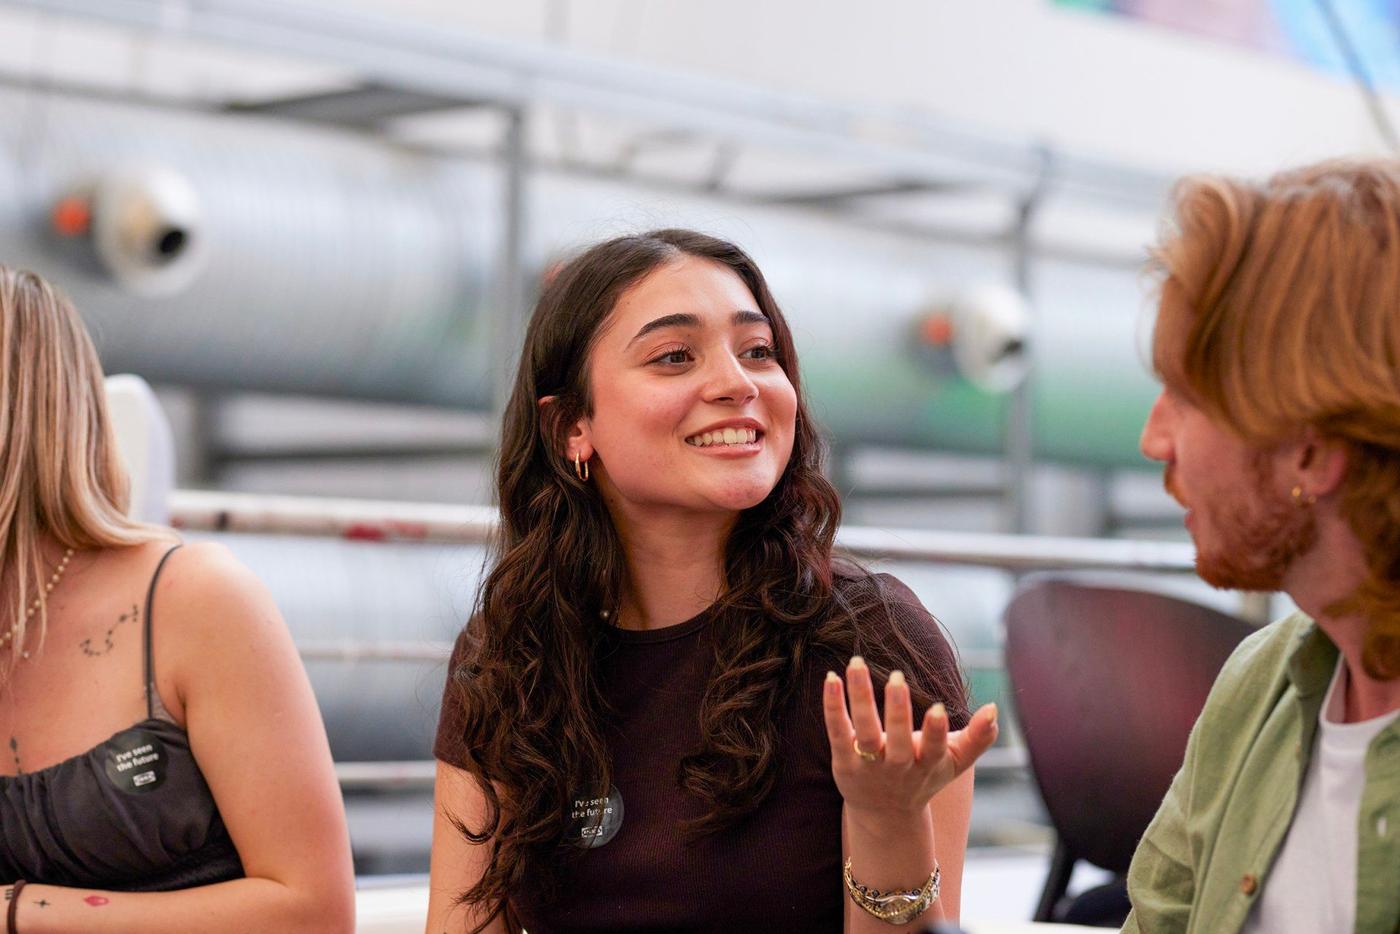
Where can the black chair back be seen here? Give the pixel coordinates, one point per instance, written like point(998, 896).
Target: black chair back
point(1107, 683)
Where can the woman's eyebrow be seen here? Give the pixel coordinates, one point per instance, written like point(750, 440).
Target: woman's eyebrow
point(666, 321)
point(745, 316)
point(683, 320)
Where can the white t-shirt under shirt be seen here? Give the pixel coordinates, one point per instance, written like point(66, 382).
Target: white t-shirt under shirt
point(1312, 886)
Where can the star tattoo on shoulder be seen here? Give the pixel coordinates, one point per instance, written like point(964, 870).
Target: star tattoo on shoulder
point(107, 646)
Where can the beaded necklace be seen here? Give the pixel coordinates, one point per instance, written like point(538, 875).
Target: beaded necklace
point(57, 575)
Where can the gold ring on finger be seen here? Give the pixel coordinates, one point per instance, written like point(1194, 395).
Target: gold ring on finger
point(867, 756)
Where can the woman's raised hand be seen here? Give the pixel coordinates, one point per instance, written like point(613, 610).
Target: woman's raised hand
point(894, 768)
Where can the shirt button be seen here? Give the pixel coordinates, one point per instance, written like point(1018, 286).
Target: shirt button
point(1248, 884)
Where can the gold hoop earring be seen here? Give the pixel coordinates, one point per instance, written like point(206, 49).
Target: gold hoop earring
point(1303, 500)
point(580, 468)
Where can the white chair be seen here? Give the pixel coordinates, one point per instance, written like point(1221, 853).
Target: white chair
point(146, 443)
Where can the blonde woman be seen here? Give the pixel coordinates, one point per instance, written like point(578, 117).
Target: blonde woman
point(163, 767)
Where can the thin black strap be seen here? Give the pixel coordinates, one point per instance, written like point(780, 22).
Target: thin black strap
point(150, 658)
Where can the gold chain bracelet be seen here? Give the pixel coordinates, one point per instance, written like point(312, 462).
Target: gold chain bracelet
point(897, 907)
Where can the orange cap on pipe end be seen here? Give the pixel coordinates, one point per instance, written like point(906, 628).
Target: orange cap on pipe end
point(936, 329)
point(71, 217)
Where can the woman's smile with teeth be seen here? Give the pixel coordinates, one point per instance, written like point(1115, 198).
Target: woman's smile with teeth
point(723, 436)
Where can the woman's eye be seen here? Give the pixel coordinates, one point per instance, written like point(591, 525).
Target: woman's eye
point(761, 352)
point(673, 357)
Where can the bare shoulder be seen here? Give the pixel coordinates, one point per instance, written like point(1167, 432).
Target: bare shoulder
point(206, 594)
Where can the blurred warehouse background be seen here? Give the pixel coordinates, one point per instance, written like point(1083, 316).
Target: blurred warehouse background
point(316, 230)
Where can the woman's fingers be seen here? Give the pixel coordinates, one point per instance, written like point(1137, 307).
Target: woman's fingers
point(865, 717)
point(933, 738)
point(838, 723)
point(967, 744)
point(890, 766)
point(899, 721)
point(853, 724)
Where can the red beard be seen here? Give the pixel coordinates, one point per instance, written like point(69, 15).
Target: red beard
point(1253, 541)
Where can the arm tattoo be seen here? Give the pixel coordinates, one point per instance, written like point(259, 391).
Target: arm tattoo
point(86, 644)
point(9, 892)
point(14, 751)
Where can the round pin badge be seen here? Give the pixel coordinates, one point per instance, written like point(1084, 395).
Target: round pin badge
point(595, 821)
point(135, 761)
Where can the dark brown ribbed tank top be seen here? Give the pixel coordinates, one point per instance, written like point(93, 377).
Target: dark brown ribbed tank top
point(777, 870)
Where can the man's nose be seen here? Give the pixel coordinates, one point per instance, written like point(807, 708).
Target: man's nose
point(1156, 442)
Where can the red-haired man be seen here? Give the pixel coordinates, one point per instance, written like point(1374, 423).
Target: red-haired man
point(1278, 344)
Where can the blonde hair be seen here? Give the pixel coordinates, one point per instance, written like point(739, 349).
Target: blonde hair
point(1290, 318)
point(61, 476)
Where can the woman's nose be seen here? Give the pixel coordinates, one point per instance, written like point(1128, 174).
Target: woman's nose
point(730, 381)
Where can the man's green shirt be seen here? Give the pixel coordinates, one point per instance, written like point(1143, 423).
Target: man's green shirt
point(1206, 856)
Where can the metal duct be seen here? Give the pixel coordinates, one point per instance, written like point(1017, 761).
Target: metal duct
point(336, 264)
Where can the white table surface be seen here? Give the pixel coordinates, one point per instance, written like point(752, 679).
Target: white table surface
point(401, 909)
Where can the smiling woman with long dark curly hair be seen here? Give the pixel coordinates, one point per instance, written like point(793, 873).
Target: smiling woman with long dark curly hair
point(642, 728)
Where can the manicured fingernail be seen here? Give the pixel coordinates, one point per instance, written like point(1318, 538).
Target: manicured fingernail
point(939, 711)
point(857, 662)
point(832, 678)
point(991, 714)
point(896, 679)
